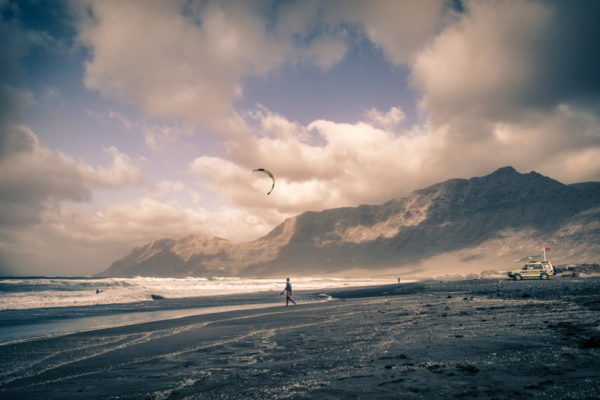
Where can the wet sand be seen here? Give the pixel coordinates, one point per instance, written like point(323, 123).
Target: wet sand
point(484, 339)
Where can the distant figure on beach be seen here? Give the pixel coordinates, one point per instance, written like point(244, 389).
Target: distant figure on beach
point(288, 292)
point(398, 280)
point(98, 291)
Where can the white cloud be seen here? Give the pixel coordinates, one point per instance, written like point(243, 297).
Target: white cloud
point(561, 144)
point(136, 221)
point(122, 171)
point(504, 83)
point(32, 177)
point(187, 59)
point(157, 135)
point(35, 185)
point(192, 61)
point(76, 241)
point(389, 121)
point(328, 164)
point(322, 165)
point(175, 65)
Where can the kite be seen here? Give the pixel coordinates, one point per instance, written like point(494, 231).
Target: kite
point(270, 175)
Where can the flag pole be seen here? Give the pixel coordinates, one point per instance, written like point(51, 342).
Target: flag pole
point(545, 252)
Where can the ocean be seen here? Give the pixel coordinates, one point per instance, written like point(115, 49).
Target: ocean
point(35, 307)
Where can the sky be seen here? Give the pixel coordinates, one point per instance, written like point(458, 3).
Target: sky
point(123, 121)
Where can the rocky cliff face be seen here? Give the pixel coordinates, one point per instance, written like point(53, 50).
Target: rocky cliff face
point(502, 215)
point(197, 255)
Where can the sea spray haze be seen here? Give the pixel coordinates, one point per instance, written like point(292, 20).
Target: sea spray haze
point(38, 293)
point(460, 225)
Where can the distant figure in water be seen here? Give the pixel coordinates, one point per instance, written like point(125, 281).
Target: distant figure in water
point(288, 292)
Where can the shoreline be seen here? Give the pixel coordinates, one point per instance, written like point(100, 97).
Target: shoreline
point(68, 292)
point(467, 339)
point(77, 319)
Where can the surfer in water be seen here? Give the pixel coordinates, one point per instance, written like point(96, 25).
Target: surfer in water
point(288, 292)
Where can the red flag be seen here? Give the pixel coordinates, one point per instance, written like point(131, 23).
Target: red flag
point(547, 249)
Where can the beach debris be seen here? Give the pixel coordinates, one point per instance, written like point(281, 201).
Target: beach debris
point(268, 173)
point(157, 297)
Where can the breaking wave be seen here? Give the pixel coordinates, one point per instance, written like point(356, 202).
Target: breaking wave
point(27, 293)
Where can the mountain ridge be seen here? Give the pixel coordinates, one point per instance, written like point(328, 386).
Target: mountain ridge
point(454, 216)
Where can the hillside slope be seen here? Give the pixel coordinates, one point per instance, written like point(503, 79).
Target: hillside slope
point(496, 217)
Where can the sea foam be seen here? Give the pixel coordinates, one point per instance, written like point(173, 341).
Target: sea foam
point(28, 293)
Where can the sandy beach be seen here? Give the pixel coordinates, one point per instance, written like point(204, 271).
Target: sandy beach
point(480, 339)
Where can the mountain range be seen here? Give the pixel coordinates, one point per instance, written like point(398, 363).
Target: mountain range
point(460, 225)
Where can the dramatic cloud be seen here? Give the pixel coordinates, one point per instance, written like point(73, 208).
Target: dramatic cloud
point(33, 177)
point(328, 164)
point(399, 28)
point(506, 84)
point(155, 57)
point(322, 165)
point(191, 63)
point(505, 58)
point(35, 186)
point(186, 60)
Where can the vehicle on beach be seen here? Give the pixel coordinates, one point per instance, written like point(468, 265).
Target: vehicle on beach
point(533, 269)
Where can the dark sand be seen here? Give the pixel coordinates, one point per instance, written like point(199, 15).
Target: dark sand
point(445, 340)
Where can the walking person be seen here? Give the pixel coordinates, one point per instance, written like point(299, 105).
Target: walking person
point(288, 292)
